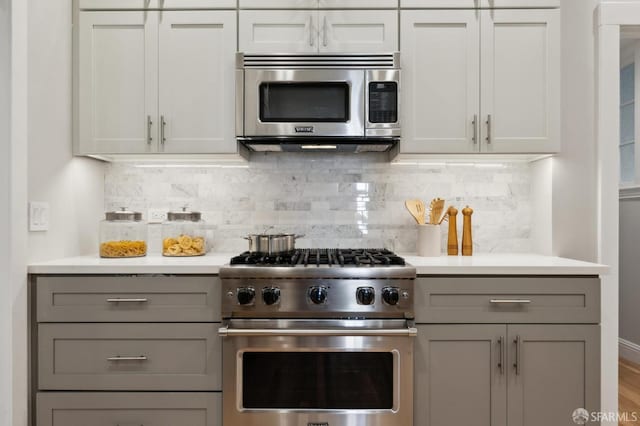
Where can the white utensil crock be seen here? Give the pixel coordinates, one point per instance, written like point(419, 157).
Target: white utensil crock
point(429, 242)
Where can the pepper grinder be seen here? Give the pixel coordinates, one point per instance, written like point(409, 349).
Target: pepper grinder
point(467, 240)
point(452, 244)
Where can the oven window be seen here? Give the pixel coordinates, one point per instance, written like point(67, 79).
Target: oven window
point(304, 102)
point(323, 380)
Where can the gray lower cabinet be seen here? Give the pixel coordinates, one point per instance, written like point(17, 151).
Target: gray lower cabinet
point(459, 379)
point(126, 350)
point(554, 369)
point(176, 357)
point(128, 409)
point(498, 375)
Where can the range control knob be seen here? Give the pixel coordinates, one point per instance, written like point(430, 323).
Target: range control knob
point(246, 295)
point(365, 295)
point(318, 295)
point(391, 295)
point(271, 295)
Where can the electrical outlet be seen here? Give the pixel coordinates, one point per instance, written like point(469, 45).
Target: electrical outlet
point(38, 216)
point(156, 215)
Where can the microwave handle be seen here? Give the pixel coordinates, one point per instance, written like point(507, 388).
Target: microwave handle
point(233, 332)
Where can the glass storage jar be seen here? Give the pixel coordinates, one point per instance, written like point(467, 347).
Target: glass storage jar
point(184, 234)
point(123, 234)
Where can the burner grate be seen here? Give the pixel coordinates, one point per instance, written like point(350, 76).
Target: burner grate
point(318, 257)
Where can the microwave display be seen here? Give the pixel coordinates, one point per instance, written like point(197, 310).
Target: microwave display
point(383, 102)
point(304, 102)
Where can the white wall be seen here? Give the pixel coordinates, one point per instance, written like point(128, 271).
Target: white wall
point(74, 187)
point(574, 170)
point(5, 211)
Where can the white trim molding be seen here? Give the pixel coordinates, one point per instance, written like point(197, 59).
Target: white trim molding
point(629, 192)
point(629, 350)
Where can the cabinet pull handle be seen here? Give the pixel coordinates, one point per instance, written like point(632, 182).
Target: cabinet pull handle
point(510, 301)
point(489, 131)
point(127, 358)
point(149, 124)
point(324, 32)
point(501, 354)
point(516, 364)
point(117, 300)
point(163, 123)
point(311, 38)
point(475, 129)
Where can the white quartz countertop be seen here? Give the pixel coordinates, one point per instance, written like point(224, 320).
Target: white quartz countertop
point(482, 264)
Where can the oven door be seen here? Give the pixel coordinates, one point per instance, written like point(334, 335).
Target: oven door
point(317, 373)
point(304, 103)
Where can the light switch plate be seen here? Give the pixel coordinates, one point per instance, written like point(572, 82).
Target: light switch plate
point(38, 216)
point(156, 215)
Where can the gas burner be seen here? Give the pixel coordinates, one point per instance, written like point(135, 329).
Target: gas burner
point(318, 257)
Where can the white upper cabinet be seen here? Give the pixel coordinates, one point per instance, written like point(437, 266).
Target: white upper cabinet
point(360, 4)
point(196, 76)
point(440, 81)
point(117, 82)
point(358, 31)
point(278, 4)
point(520, 86)
point(480, 81)
point(155, 4)
point(470, 4)
point(312, 31)
point(278, 31)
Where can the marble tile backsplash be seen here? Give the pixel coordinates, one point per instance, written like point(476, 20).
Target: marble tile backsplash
point(334, 200)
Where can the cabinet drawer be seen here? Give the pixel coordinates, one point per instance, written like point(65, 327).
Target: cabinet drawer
point(170, 357)
point(128, 409)
point(128, 299)
point(508, 300)
point(155, 4)
point(278, 4)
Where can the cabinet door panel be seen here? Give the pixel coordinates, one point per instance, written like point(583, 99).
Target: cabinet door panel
point(278, 31)
point(197, 53)
point(117, 81)
point(521, 80)
point(359, 31)
point(558, 371)
point(469, 4)
point(155, 4)
point(458, 377)
point(518, 3)
point(440, 65)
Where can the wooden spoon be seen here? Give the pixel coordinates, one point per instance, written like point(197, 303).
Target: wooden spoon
point(416, 208)
point(437, 208)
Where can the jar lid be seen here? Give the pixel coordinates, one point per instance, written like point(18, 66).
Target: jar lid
point(124, 214)
point(184, 215)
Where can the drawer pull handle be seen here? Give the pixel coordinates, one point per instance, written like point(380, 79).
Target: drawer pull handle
point(127, 358)
point(510, 301)
point(127, 300)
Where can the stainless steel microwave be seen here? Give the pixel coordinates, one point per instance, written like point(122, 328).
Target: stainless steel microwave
point(294, 102)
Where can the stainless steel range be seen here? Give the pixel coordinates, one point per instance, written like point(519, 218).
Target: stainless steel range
point(318, 337)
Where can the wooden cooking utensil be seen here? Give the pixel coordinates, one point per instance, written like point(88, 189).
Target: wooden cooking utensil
point(436, 211)
point(416, 208)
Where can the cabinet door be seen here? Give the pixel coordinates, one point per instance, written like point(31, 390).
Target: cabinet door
point(278, 31)
point(459, 377)
point(440, 66)
point(117, 82)
point(553, 369)
point(156, 4)
point(196, 91)
point(518, 3)
point(466, 4)
point(520, 81)
point(362, 31)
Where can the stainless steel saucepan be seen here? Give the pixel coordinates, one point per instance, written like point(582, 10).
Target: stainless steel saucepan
point(272, 243)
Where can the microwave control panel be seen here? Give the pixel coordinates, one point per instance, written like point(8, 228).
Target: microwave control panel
point(383, 102)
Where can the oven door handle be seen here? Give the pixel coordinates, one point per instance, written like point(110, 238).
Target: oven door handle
point(231, 332)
